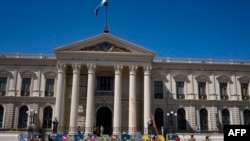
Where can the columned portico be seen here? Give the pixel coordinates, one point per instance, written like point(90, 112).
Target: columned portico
point(132, 100)
point(59, 91)
point(117, 100)
point(90, 99)
point(74, 98)
point(147, 98)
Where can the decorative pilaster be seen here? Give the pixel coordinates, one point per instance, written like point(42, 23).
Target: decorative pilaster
point(132, 100)
point(147, 97)
point(74, 98)
point(117, 100)
point(90, 99)
point(234, 93)
point(213, 88)
point(59, 91)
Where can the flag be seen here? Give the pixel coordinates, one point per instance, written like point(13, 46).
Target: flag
point(103, 3)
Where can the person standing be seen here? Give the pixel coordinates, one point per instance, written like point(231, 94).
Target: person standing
point(49, 138)
point(192, 138)
point(55, 125)
point(207, 138)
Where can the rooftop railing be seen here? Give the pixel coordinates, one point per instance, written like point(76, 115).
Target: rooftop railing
point(28, 56)
point(157, 60)
point(200, 61)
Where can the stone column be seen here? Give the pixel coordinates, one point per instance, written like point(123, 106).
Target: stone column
point(90, 99)
point(147, 97)
point(132, 100)
point(117, 100)
point(74, 99)
point(59, 91)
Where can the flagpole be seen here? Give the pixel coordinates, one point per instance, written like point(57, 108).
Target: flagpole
point(106, 29)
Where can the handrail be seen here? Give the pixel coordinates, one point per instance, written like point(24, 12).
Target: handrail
point(156, 60)
point(200, 61)
point(28, 56)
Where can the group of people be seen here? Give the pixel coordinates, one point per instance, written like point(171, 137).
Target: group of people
point(29, 137)
point(192, 138)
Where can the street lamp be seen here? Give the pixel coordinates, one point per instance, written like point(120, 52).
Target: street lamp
point(170, 116)
point(31, 114)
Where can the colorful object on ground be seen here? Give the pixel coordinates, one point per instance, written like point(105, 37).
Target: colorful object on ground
point(138, 137)
point(114, 137)
point(161, 138)
point(78, 137)
point(145, 138)
point(65, 138)
point(125, 137)
point(105, 137)
point(92, 137)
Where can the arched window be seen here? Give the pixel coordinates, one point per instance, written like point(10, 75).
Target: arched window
point(1, 116)
point(47, 117)
point(225, 117)
point(203, 120)
point(181, 119)
point(23, 117)
point(158, 118)
point(246, 114)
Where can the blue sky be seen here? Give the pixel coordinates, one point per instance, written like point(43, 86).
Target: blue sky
point(198, 29)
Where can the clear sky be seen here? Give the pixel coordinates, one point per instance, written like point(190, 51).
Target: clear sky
point(198, 29)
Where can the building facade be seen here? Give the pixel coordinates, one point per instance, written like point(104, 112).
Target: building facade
point(106, 81)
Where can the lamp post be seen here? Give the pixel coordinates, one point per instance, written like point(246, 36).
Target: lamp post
point(31, 114)
point(170, 116)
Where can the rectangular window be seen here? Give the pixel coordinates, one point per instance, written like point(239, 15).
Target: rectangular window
point(49, 87)
point(180, 88)
point(105, 83)
point(244, 89)
point(202, 88)
point(3, 83)
point(223, 89)
point(105, 86)
point(158, 89)
point(25, 91)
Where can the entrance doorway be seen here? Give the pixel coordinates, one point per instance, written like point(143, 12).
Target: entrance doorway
point(104, 118)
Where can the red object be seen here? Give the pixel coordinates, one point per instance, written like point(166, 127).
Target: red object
point(65, 138)
point(178, 139)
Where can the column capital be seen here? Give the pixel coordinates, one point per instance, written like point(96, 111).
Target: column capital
point(76, 68)
point(61, 67)
point(147, 69)
point(91, 68)
point(132, 68)
point(118, 69)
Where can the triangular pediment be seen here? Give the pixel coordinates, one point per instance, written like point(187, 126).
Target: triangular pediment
point(104, 43)
point(106, 49)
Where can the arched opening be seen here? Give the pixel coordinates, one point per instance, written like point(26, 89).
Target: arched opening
point(159, 118)
point(181, 120)
point(246, 117)
point(104, 118)
point(1, 116)
point(203, 120)
point(225, 117)
point(47, 117)
point(23, 117)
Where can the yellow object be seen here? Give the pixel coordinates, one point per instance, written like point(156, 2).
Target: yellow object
point(161, 138)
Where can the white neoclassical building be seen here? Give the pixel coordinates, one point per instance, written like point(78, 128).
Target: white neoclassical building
point(106, 81)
